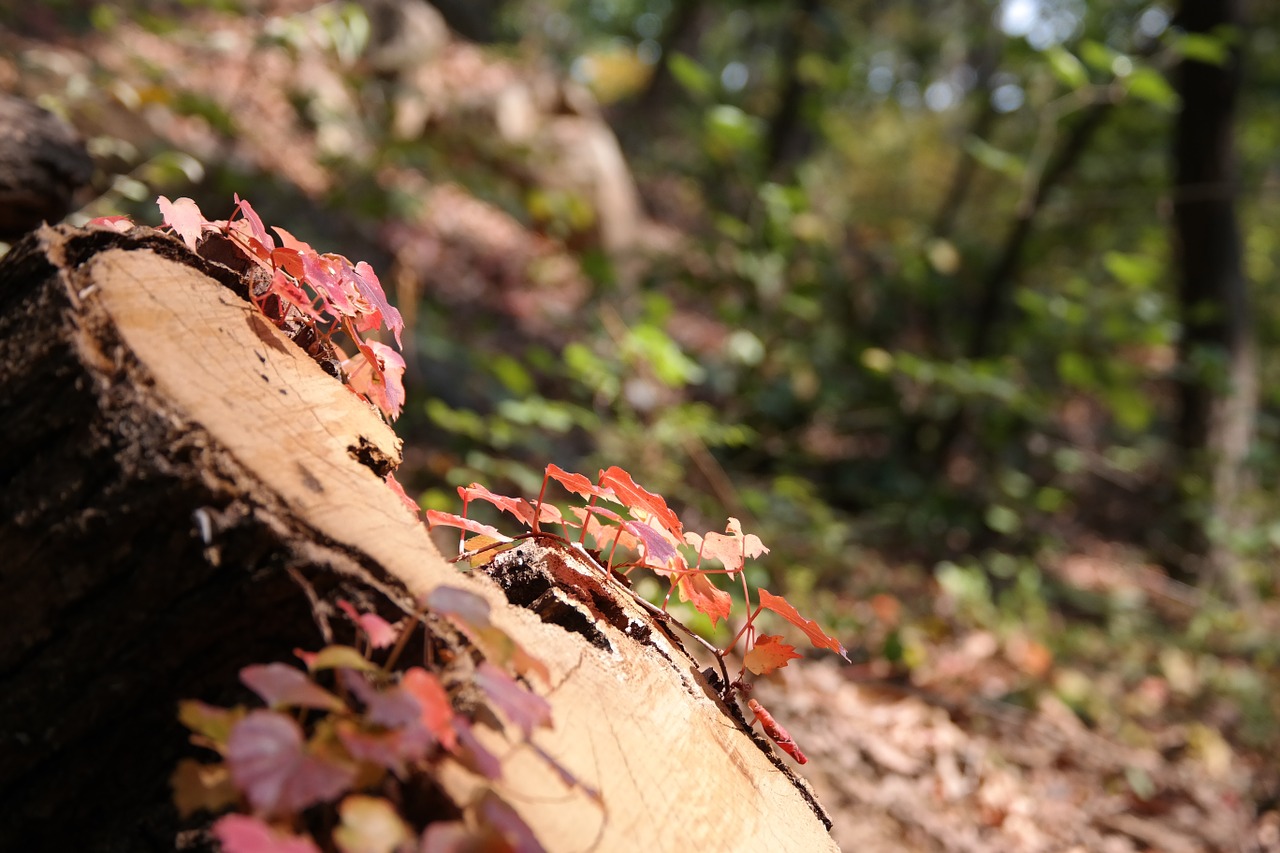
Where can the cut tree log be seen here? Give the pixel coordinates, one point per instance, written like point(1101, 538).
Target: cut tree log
point(184, 492)
point(42, 164)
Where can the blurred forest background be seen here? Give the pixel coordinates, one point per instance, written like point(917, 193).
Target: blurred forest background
point(967, 307)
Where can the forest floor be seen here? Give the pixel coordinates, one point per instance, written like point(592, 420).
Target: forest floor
point(991, 742)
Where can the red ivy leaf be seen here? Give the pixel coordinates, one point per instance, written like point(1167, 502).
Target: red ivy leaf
point(519, 507)
point(811, 629)
point(635, 497)
point(323, 278)
point(398, 490)
point(436, 711)
point(604, 534)
point(697, 589)
point(289, 241)
point(776, 732)
point(733, 550)
point(577, 483)
point(768, 653)
point(184, 217)
point(239, 833)
point(290, 294)
point(436, 518)
point(281, 685)
point(270, 762)
point(370, 288)
point(522, 707)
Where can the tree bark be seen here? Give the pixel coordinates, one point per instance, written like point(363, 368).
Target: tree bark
point(183, 492)
point(1218, 406)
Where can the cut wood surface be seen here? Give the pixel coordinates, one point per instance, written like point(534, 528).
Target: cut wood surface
point(173, 462)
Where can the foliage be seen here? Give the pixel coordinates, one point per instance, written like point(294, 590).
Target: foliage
point(652, 536)
point(346, 738)
point(312, 293)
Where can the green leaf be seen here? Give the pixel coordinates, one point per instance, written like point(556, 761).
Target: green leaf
point(1001, 519)
point(730, 131)
point(1069, 70)
point(1149, 85)
point(1203, 47)
point(340, 657)
point(691, 76)
point(993, 158)
point(1098, 56)
point(1136, 271)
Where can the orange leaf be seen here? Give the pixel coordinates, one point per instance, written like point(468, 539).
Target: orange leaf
point(697, 589)
point(768, 653)
point(811, 629)
point(733, 549)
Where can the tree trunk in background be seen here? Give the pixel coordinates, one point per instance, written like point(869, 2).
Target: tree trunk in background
point(1218, 356)
point(184, 492)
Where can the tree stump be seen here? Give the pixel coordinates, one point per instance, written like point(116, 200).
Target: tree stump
point(184, 492)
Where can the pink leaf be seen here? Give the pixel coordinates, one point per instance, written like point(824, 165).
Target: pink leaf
point(123, 224)
point(811, 629)
point(380, 632)
point(281, 685)
point(658, 550)
point(499, 814)
point(523, 708)
point(270, 762)
point(768, 653)
point(256, 229)
point(322, 276)
point(390, 748)
point(239, 833)
point(184, 217)
point(482, 760)
point(375, 373)
point(371, 289)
